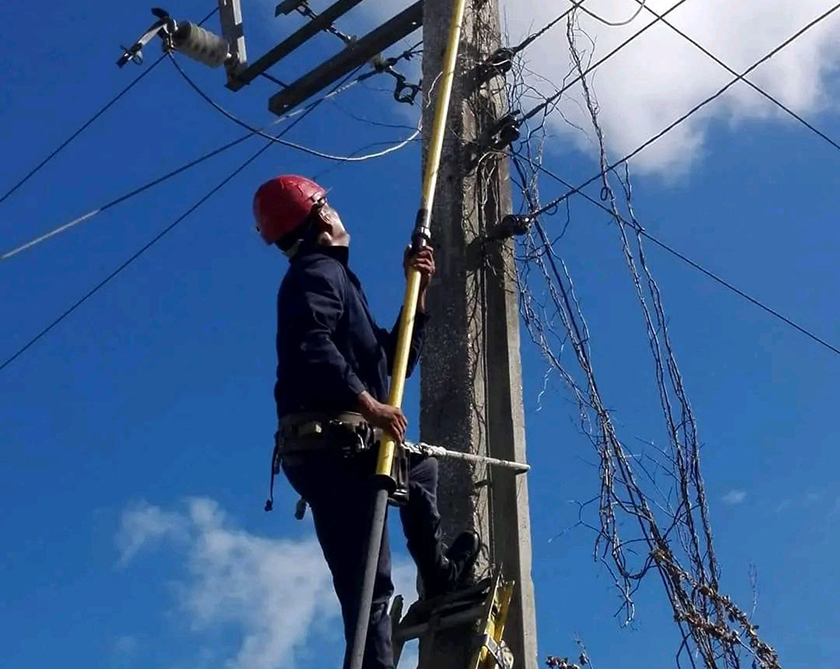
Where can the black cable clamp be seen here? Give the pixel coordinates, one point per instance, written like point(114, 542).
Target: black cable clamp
point(499, 63)
point(400, 94)
point(386, 66)
point(506, 131)
point(512, 225)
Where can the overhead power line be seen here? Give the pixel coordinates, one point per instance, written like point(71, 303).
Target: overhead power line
point(319, 154)
point(606, 22)
point(576, 4)
point(533, 37)
point(90, 121)
point(696, 265)
point(162, 233)
point(556, 96)
point(782, 106)
point(122, 198)
point(691, 112)
point(193, 163)
point(80, 130)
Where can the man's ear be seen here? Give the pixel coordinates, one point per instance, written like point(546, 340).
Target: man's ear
point(324, 222)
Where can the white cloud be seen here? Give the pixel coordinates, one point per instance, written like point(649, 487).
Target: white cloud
point(276, 593)
point(734, 497)
point(143, 525)
point(273, 591)
point(660, 76)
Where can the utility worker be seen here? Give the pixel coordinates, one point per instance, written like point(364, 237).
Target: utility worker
point(332, 384)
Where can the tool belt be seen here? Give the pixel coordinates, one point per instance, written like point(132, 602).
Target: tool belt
point(346, 434)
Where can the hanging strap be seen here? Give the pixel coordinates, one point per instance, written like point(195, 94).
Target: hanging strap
point(275, 470)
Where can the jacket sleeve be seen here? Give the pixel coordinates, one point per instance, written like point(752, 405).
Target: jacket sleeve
point(314, 313)
point(388, 341)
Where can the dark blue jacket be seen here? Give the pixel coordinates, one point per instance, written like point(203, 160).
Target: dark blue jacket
point(329, 348)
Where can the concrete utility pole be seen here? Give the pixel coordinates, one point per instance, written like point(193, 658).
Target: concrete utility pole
point(471, 375)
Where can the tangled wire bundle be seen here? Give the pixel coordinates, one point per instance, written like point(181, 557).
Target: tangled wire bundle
point(678, 537)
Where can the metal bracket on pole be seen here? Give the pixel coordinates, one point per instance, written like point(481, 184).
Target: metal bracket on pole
point(302, 7)
point(358, 53)
point(230, 15)
point(293, 41)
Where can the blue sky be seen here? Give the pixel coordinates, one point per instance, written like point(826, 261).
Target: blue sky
point(136, 435)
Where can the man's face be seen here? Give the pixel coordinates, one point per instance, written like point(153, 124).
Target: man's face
point(337, 233)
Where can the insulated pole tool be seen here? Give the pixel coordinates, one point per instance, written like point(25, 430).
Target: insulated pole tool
point(383, 483)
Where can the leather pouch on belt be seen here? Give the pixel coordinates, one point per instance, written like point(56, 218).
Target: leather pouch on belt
point(343, 438)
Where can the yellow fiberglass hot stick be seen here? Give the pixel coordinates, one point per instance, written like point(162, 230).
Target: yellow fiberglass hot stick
point(422, 230)
point(422, 233)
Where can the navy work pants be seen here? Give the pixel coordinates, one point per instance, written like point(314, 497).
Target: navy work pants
point(339, 494)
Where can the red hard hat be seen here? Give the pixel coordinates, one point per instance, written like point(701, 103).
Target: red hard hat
point(283, 204)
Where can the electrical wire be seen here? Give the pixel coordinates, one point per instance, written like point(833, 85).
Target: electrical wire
point(159, 180)
point(614, 24)
point(533, 37)
point(782, 106)
point(556, 96)
point(80, 130)
point(90, 121)
point(122, 198)
point(319, 154)
point(691, 112)
point(692, 263)
point(161, 234)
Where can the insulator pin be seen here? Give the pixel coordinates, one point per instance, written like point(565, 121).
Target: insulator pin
point(199, 44)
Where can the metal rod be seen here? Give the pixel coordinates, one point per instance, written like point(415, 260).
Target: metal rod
point(441, 452)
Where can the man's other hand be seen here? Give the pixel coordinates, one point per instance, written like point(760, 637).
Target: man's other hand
point(423, 261)
point(384, 416)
